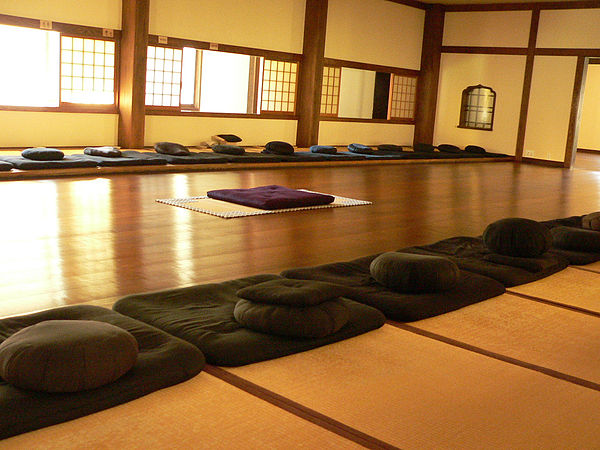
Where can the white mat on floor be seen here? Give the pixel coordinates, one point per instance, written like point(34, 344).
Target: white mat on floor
point(228, 210)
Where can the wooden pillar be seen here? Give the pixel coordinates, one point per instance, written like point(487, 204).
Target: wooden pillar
point(132, 81)
point(533, 29)
point(575, 116)
point(427, 89)
point(311, 73)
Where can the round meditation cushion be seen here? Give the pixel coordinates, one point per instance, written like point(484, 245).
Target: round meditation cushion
point(279, 148)
point(449, 148)
point(227, 149)
point(67, 355)
point(291, 292)
point(171, 148)
point(570, 238)
point(475, 149)
point(591, 221)
point(411, 273)
point(43, 154)
point(517, 237)
point(304, 322)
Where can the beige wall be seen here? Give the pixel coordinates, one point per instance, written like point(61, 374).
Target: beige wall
point(569, 28)
point(344, 133)
point(265, 24)
point(194, 130)
point(502, 73)
point(375, 31)
point(589, 128)
point(97, 13)
point(53, 129)
point(550, 107)
point(487, 28)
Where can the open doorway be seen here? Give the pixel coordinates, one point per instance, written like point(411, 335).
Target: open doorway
point(588, 140)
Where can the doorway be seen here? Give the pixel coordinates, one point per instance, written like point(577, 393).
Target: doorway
point(588, 140)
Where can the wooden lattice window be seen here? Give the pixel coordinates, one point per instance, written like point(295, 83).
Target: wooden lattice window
point(87, 71)
point(330, 91)
point(279, 86)
point(163, 76)
point(477, 108)
point(403, 93)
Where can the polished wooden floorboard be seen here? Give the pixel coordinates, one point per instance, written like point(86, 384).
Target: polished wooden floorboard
point(68, 241)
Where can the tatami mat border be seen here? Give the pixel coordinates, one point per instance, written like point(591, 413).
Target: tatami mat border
point(299, 410)
point(504, 358)
point(556, 304)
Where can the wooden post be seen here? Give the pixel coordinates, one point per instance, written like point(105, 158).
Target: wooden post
point(427, 88)
point(311, 73)
point(132, 82)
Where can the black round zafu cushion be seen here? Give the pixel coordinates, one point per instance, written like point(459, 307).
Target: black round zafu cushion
point(424, 148)
point(42, 154)
point(171, 148)
point(517, 237)
point(570, 238)
point(230, 137)
point(411, 273)
point(474, 149)
point(67, 355)
point(304, 322)
point(279, 148)
point(360, 148)
point(390, 148)
point(228, 149)
point(449, 148)
point(292, 292)
point(591, 221)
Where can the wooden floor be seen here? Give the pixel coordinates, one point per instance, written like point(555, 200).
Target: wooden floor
point(77, 240)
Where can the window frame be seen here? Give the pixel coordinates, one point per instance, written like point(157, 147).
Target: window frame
point(464, 108)
point(153, 40)
point(403, 72)
point(76, 31)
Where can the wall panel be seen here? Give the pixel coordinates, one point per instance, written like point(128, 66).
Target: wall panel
point(569, 28)
point(487, 28)
point(344, 133)
point(502, 73)
point(549, 107)
point(589, 130)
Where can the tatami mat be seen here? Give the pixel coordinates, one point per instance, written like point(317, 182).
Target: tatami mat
point(555, 338)
point(227, 210)
point(415, 392)
point(571, 286)
point(203, 412)
point(595, 267)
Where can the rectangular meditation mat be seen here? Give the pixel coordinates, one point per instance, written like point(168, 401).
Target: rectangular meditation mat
point(203, 412)
point(67, 162)
point(227, 210)
point(356, 276)
point(573, 287)
point(470, 253)
point(252, 157)
point(5, 166)
point(162, 361)
point(555, 338)
point(415, 392)
point(192, 158)
point(575, 257)
point(104, 161)
point(271, 197)
point(203, 316)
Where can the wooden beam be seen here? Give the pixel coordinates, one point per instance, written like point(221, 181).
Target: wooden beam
point(427, 86)
point(134, 41)
point(311, 73)
point(575, 116)
point(533, 29)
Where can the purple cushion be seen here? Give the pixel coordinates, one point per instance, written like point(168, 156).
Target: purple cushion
point(271, 197)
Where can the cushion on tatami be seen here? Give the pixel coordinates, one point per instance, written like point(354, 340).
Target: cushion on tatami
point(415, 392)
point(362, 287)
point(191, 158)
point(576, 257)
point(573, 287)
point(470, 253)
point(536, 333)
point(203, 315)
point(204, 412)
point(162, 361)
point(105, 161)
point(271, 197)
point(67, 162)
